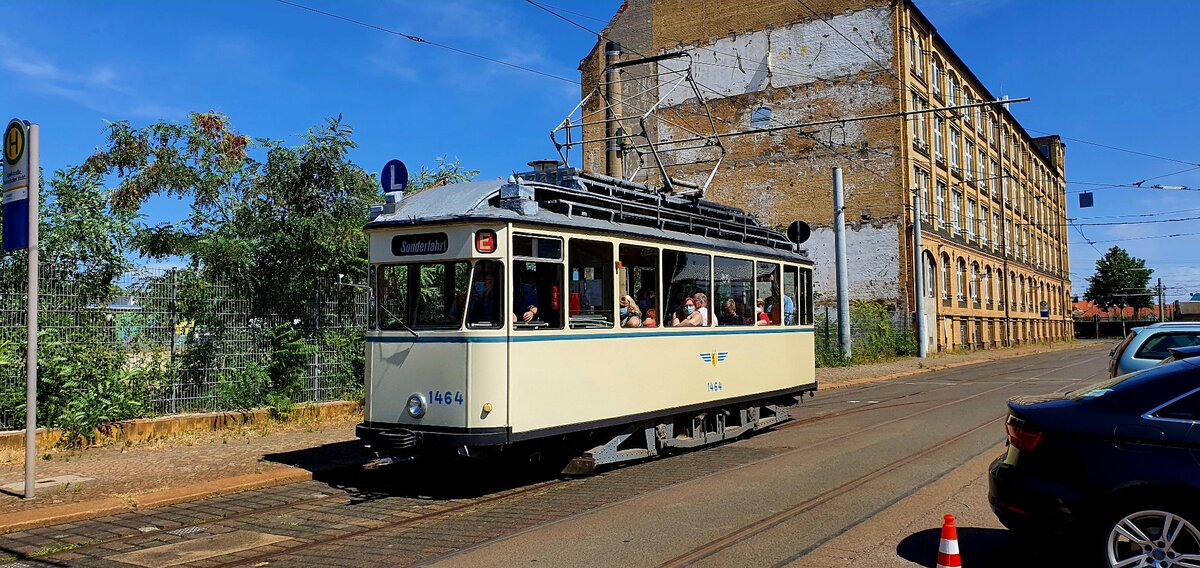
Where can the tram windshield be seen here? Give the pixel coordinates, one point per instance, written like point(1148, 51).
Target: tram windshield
point(421, 296)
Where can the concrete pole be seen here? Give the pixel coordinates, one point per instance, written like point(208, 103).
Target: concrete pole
point(1160, 301)
point(839, 245)
point(612, 87)
point(919, 275)
point(31, 313)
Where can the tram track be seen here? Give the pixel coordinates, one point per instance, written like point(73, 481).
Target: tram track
point(466, 505)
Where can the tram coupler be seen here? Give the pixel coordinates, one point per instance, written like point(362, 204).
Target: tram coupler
point(386, 461)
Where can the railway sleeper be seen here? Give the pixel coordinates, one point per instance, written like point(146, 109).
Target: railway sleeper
point(645, 440)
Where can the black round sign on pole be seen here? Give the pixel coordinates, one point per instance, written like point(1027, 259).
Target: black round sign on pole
point(798, 232)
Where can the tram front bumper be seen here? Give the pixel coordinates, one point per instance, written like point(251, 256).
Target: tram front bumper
point(407, 439)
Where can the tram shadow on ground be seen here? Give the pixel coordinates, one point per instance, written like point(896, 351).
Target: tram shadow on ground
point(986, 547)
point(341, 465)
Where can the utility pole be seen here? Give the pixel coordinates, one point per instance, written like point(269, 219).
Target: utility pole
point(1160, 300)
point(839, 245)
point(919, 278)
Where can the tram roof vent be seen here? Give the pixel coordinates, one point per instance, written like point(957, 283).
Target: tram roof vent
point(518, 197)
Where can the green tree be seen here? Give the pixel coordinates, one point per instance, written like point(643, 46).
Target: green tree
point(1120, 280)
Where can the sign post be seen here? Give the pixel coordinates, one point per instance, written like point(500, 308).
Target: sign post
point(21, 231)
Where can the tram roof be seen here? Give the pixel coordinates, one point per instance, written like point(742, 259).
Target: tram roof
point(478, 201)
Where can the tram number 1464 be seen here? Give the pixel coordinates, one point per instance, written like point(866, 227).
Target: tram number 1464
point(447, 397)
point(715, 386)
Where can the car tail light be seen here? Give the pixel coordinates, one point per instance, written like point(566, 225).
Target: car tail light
point(1021, 437)
point(485, 241)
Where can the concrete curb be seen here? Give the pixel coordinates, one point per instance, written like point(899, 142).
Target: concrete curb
point(105, 506)
point(1007, 354)
point(142, 429)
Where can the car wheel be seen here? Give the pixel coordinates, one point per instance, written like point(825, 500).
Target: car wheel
point(1155, 538)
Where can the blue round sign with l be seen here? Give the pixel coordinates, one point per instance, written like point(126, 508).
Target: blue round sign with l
point(394, 176)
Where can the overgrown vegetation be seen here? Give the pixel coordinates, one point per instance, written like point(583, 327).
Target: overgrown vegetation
point(875, 332)
point(272, 260)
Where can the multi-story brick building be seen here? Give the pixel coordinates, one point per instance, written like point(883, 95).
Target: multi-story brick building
point(993, 215)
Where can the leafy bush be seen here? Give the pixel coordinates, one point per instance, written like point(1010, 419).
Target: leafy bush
point(243, 389)
point(875, 336)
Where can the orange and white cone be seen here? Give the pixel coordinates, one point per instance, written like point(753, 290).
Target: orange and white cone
point(948, 549)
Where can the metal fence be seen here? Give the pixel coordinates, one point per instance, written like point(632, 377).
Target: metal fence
point(875, 333)
point(176, 337)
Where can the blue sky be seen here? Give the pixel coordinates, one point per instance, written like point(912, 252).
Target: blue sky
point(1115, 73)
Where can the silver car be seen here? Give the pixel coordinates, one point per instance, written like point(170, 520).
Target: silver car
point(1145, 346)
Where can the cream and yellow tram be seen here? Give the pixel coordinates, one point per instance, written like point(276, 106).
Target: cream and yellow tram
point(554, 307)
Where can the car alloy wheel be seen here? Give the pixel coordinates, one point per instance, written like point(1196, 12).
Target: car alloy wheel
point(1155, 539)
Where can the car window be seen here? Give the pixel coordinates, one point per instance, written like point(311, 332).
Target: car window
point(1186, 408)
point(1159, 345)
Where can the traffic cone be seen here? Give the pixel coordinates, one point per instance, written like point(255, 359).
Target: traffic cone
point(948, 549)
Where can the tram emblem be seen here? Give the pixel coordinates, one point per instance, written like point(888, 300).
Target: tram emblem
point(714, 358)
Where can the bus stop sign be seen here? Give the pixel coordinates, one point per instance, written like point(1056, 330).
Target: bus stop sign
point(16, 185)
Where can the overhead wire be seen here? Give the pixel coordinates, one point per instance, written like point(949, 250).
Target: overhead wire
point(1128, 151)
point(419, 39)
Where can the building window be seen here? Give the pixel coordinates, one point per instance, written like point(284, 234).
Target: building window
point(982, 162)
point(930, 274)
point(961, 270)
point(760, 116)
point(939, 148)
point(975, 282)
point(935, 76)
point(1008, 229)
point(945, 276)
point(940, 212)
point(995, 228)
point(991, 178)
point(956, 214)
point(954, 147)
point(983, 224)
point(951, 89)
point(922, 179)
point(918, 122)
point(915, 59)
point(968, 159)
point(986, 285)
point(971, 219)
point(966, 99)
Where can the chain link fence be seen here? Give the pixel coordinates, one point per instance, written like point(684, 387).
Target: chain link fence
point(167, 341)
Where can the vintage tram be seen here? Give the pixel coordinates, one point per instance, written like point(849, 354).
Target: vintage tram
point(571, 310)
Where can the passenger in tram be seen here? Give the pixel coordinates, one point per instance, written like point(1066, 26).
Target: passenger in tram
point(631, 315)
point(645, 299)
point(651, 319)
point(483, 304)
point(789, 310)
point(687, 315)
point(729, 314)
point(702, 307)
point(762, 312)
point(526, 308)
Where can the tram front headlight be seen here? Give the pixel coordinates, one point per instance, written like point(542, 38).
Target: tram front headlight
point(416, 406)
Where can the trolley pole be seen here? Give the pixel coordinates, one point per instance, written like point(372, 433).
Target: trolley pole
point(839, 244)
point(919, 279)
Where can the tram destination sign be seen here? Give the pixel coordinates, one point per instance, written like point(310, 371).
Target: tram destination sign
point(423, 243)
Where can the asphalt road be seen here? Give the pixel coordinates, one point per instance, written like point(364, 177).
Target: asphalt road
point(861, 477)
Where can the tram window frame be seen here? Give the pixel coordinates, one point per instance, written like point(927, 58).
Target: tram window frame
point(545, 254)
point(479, 271)
point(735, 273)
point(806, 296)
point(591, 273)
point(791, 276)
point(405, 279)
point(638, 269)
point(673, 285)
point(768, 281)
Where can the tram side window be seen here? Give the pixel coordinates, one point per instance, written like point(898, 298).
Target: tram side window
point(791, 299)
point(687, 286)
point(590, 289)
point(487, 302)
point(637, 277)
point(768, 305)
point(537, 282)
point(806, 294)
point(421, 296)
point(735, 291)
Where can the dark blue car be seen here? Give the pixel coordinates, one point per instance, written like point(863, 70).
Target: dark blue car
point(1115, 467)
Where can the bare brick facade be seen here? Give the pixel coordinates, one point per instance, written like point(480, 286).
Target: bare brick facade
point(772, 63)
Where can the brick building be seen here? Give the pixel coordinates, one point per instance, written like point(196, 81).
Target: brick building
point(993, 219)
